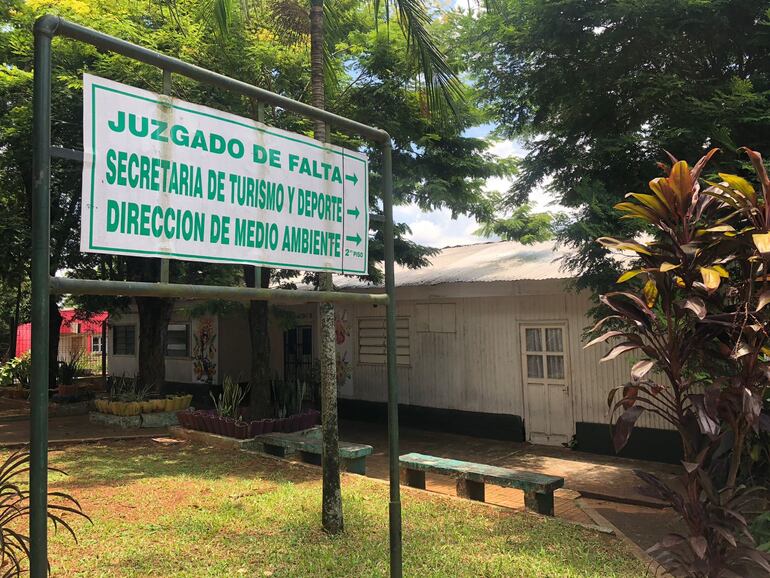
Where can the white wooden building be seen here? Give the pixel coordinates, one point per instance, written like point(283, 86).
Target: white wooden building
point(489, 343)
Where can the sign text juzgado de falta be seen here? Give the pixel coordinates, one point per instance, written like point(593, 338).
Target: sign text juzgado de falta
point(168, 178)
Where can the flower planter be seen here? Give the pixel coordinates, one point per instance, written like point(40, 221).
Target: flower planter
point(267, 426)
point(68, 389)
point(208, 423)
point(256, 427)
point(187, 418)
point(199, 421)
point(230, 427)
point(295, 421)
point(241, 430)
point(308, 420)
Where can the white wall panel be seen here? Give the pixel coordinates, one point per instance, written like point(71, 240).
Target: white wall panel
point(478, 366)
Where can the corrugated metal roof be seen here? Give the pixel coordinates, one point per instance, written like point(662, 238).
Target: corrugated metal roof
point(483, 262)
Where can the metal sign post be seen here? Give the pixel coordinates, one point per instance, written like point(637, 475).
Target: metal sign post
point(44, 284)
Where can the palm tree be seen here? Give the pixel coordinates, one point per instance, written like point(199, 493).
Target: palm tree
point(442, 89)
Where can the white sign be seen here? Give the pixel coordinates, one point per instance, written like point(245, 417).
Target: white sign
point(166, 178)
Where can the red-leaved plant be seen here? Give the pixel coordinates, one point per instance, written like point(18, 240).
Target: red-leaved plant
point(696, 311)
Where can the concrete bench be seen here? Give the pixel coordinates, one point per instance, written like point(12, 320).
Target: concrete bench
point(309, 448)
point(471, 478)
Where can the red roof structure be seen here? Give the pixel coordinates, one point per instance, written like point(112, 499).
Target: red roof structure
point(73, 321)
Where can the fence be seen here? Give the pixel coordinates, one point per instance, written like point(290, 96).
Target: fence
point(86, 347)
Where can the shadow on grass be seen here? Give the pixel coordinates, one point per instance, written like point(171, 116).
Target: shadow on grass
point(234, 524)
point(118, 463)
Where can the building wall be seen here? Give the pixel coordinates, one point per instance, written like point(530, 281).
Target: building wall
point(178, 369)
point(234, 346)
point(477, 367)
point(235, 352)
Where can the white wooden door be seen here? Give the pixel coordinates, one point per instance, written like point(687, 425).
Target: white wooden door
point(545, 368)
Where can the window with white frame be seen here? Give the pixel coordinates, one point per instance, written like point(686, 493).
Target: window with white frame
point(96, 343)
point(178, 340)
point(124, 340)
point(544, 349)
point(372, 340)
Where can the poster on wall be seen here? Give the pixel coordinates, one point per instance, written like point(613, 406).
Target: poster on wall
point(344, 354)
point(204, 350)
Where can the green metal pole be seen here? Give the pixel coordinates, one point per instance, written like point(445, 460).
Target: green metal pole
point(164, 263)
point(41, 262)
point(390, 289)
point(260, 118)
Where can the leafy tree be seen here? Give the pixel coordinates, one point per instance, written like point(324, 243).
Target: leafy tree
point(522, 225)
point(599, 89)
point(440, 169)
point(420, 58)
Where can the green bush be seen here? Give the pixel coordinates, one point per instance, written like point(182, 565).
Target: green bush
point(16, 370)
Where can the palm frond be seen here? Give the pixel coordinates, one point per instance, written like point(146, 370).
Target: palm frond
point(442, 87)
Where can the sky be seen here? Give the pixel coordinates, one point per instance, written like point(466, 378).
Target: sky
point(438, 229)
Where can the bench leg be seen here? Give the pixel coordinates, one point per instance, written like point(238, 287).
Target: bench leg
point(413, 478)
point(310, 458)
point(470, 489)
point(278, 451)
point(541, 503)
point(355, 465)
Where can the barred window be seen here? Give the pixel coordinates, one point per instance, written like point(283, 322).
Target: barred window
point(178, 340)
point(372, 340)
point(124, 340)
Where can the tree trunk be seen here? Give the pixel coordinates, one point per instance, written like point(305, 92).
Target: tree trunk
point(331, 515)
point(54, 323)
point(154, 317)
point(259, 378)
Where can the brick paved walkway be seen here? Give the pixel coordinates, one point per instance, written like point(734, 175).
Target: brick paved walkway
point(15, 432)
point(583, 473)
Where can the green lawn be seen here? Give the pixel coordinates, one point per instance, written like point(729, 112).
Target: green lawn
point(184, 510)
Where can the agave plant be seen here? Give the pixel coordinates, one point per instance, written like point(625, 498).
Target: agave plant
point(71, 368)
point(696, 311)
point(14, 509)
point(230, 399)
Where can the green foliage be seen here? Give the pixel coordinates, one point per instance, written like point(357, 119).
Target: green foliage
point(14, 510)
point(695, 308)
point(599, 89)
point(522, 225)
point(760, 529)
point(122, 388)
point(71, 368)
point(17, 370)
point(288, 396)
point(230, 399)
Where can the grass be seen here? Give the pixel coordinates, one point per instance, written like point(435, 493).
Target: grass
point(185, 510)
